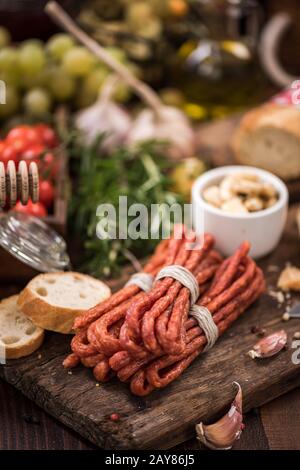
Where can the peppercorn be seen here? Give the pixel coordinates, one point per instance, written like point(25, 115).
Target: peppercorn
point(31, 419)
point(285, 316)
point(115, 416)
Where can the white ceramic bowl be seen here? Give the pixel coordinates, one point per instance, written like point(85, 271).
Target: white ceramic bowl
point(262, 229)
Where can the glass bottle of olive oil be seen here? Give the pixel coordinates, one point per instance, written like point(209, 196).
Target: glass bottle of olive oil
point(219, 72)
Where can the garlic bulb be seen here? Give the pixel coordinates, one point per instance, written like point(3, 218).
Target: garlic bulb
point(168, 124)
point(222, 434)
point(104, 117)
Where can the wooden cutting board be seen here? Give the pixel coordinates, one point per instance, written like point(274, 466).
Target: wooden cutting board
point(202, 393)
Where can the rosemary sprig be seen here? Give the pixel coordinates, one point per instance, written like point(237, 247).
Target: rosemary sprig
point(139, 174)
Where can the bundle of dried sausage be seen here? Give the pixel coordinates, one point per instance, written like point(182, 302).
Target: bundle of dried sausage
point(149, 338)
point(236, 285)
point(155, 322)
point(101, 337)
point(98, 336)
point(83, 350)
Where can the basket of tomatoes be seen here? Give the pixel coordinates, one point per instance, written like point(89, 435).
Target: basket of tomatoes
point(39, 143)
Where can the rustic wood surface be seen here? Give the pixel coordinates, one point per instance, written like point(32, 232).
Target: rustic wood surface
point(167, 417)
point(17, 431)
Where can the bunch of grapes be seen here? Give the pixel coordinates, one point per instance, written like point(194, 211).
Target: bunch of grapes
point(40, 75)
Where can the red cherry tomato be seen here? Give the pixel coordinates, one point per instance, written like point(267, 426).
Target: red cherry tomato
point(46, 193)
point(49, 165)
point(20, 208)
point(37, 209)
point(9, 153)
point(18, 132)
point(2, 145)
point(20, 145)
point(26, 133)
point(33, 153)
point(47, 135)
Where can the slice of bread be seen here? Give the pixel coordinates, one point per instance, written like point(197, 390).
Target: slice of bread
point(53, 300)
point(269, 137)
point(19, 337)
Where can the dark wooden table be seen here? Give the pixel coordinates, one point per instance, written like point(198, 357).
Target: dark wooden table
point(23, 425)
point(274, 426)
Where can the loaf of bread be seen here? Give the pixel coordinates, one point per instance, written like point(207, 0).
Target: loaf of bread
point(19, 337)
point(269, 137)
point(53, 300)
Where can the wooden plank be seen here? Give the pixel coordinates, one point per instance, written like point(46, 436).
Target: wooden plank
point(166, 417)
point(253, 436)
point(24, 426)
point(281, 422)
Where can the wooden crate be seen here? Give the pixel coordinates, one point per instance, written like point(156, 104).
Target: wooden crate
point(58, 220)
point(11, 269)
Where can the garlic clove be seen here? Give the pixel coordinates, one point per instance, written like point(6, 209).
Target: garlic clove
point(167, 124)
point(269, 345)
point(222, 434)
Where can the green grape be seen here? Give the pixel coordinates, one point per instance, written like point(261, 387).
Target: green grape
point(122, 92)
point(61, 85)
point(33, 42)
point(59, 44)
point(135, 69)
point(152, 29)
point(40, 79)
point(4, 37)
point(141, 20)
point(137, 14)
point(160, 8)
point(37, 102)
point(31, 58)
point(117, 53)
point(78, 61)
point(94, 81)
point(11, 77)
point(172, 97)
point(8, 59)
point(12, 102)
point(138, 50)
point(84, 97)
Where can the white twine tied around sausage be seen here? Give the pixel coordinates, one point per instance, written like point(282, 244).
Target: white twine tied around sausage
point(200, 313)
point(143, 280)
